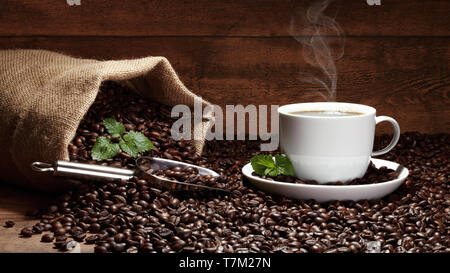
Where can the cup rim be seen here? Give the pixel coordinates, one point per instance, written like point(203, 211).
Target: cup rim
point(327, 106)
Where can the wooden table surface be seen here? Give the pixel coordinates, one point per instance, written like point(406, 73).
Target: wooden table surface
point(14, 203)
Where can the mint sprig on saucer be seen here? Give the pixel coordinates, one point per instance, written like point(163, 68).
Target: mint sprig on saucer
point(272, 165)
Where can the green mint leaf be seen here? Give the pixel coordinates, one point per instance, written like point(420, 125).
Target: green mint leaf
point(128, 148)
point(134, 143)
point(284, 165)
point(114, 128)
point(266, 165)
point(104, 149)
point(262, 164)
point(274, 172)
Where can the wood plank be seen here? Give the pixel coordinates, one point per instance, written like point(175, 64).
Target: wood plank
point(406, 78)
point(254, 18)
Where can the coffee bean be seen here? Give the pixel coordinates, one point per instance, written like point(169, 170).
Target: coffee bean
point(26, 232)
point(100, 249)
point(9, 224)
point(165, 232)
point(119, 247)
point(68, 245)
point(37, 229)
point(119, 237)
point(60, 241)
point(132, 249)
point(56, 225)
point(47, 238)
point(79, 237)
point(119, 199)
point(178, 244)
point(60, 231)
point(95, 227)
point(92, 239)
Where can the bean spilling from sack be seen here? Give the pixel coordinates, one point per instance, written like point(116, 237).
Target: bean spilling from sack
point(132, 216)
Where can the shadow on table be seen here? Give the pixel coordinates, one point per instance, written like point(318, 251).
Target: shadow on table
point(14, 199)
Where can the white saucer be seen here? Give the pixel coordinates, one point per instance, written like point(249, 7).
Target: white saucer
point(324, 193)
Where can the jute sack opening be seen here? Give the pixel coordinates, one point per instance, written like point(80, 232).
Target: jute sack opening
point(44, 96)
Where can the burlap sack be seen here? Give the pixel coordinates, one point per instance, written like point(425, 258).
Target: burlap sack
point(44, 96)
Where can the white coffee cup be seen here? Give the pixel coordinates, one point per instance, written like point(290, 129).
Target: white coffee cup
point(331, 148)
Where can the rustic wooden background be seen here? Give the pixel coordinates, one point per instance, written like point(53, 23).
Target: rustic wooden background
point(396, 58)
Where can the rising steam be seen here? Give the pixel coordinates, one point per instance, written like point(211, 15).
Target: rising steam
point(323, 43)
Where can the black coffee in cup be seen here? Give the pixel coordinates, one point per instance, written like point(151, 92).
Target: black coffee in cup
point(325, 113)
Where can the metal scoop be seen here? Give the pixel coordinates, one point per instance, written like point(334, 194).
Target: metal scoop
point(144, 164)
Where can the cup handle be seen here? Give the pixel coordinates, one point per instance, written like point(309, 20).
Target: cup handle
point(395, 138)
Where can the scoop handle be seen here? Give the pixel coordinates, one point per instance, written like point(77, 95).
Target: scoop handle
point(83, 170)
point(103, 173)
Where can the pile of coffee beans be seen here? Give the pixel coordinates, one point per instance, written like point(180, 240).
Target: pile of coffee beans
point(373, 175)
point(134, 216)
